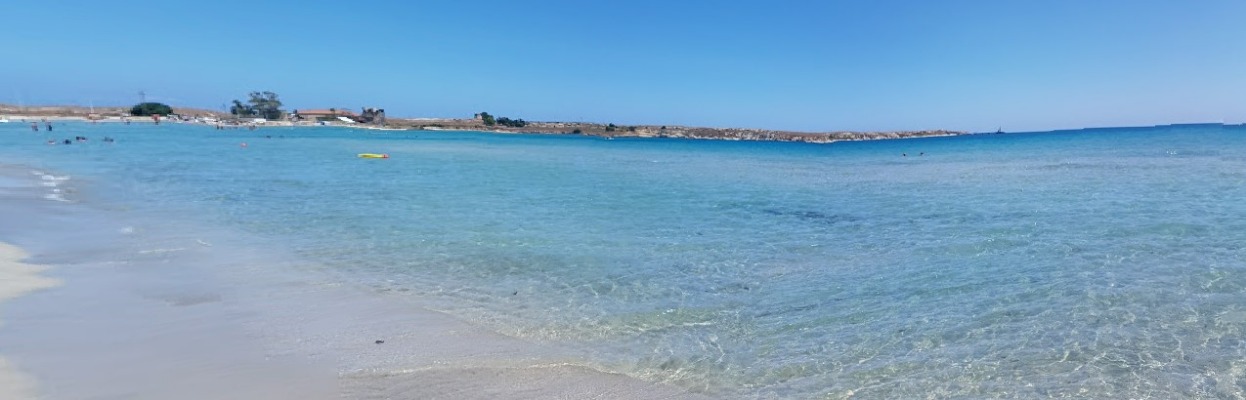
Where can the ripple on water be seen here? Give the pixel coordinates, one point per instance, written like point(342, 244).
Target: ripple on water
point(1092, 265)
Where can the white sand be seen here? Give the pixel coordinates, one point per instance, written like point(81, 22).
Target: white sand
point(17, 279)
point(14, 384)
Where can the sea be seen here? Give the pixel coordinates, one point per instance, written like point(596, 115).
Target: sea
point(1095, 263)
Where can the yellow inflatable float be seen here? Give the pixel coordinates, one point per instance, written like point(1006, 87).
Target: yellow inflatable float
point(373, 155)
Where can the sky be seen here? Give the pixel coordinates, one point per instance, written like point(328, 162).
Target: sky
point(795, 65)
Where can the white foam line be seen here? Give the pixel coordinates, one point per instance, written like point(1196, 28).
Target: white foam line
point(161, 250)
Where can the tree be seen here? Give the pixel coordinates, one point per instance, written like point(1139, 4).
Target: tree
point(372, 115)
point(241, 110)
point(514, 123)
point(262, 104)
point(150, 108)
point(487, 119)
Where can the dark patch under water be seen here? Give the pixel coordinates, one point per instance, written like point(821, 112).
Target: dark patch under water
point(809, 215)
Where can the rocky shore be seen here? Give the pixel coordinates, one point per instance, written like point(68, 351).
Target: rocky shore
point(551, 128)
point(654, 131)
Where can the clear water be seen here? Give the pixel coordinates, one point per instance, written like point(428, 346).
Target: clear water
point(1092, 264)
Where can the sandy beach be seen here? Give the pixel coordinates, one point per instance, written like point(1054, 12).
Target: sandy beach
point(17, 279)
point(159, 310)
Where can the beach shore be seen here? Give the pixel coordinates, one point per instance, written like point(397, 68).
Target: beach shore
point(157, 308)
point(17, 279)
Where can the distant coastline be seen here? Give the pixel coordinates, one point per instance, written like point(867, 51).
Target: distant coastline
point(609, 131)
point(680, 132)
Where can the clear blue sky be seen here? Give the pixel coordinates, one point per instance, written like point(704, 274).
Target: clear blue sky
point(803, 65)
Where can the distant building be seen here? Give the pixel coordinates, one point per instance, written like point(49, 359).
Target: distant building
point(314, 114)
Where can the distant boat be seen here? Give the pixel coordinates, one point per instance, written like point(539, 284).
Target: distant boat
point(999, 131)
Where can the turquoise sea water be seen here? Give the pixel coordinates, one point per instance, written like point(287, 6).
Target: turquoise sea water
point(1093, 264)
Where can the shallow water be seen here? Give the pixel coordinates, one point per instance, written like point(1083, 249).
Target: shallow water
point(1096, 263)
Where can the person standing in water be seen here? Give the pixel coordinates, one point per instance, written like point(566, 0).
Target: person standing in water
point(49, 125)
point(34, 126)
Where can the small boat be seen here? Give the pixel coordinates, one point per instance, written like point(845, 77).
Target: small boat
point(999, 131)
point(4, 120)
point(373, 155)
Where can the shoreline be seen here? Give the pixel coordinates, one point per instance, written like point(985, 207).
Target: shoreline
point(608, 131)
point(849, 136)
point(752, 136)
point(264, 324)
point(18, 279)
point(716, 134)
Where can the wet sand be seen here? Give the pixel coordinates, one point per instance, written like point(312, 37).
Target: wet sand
point(17, 279)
